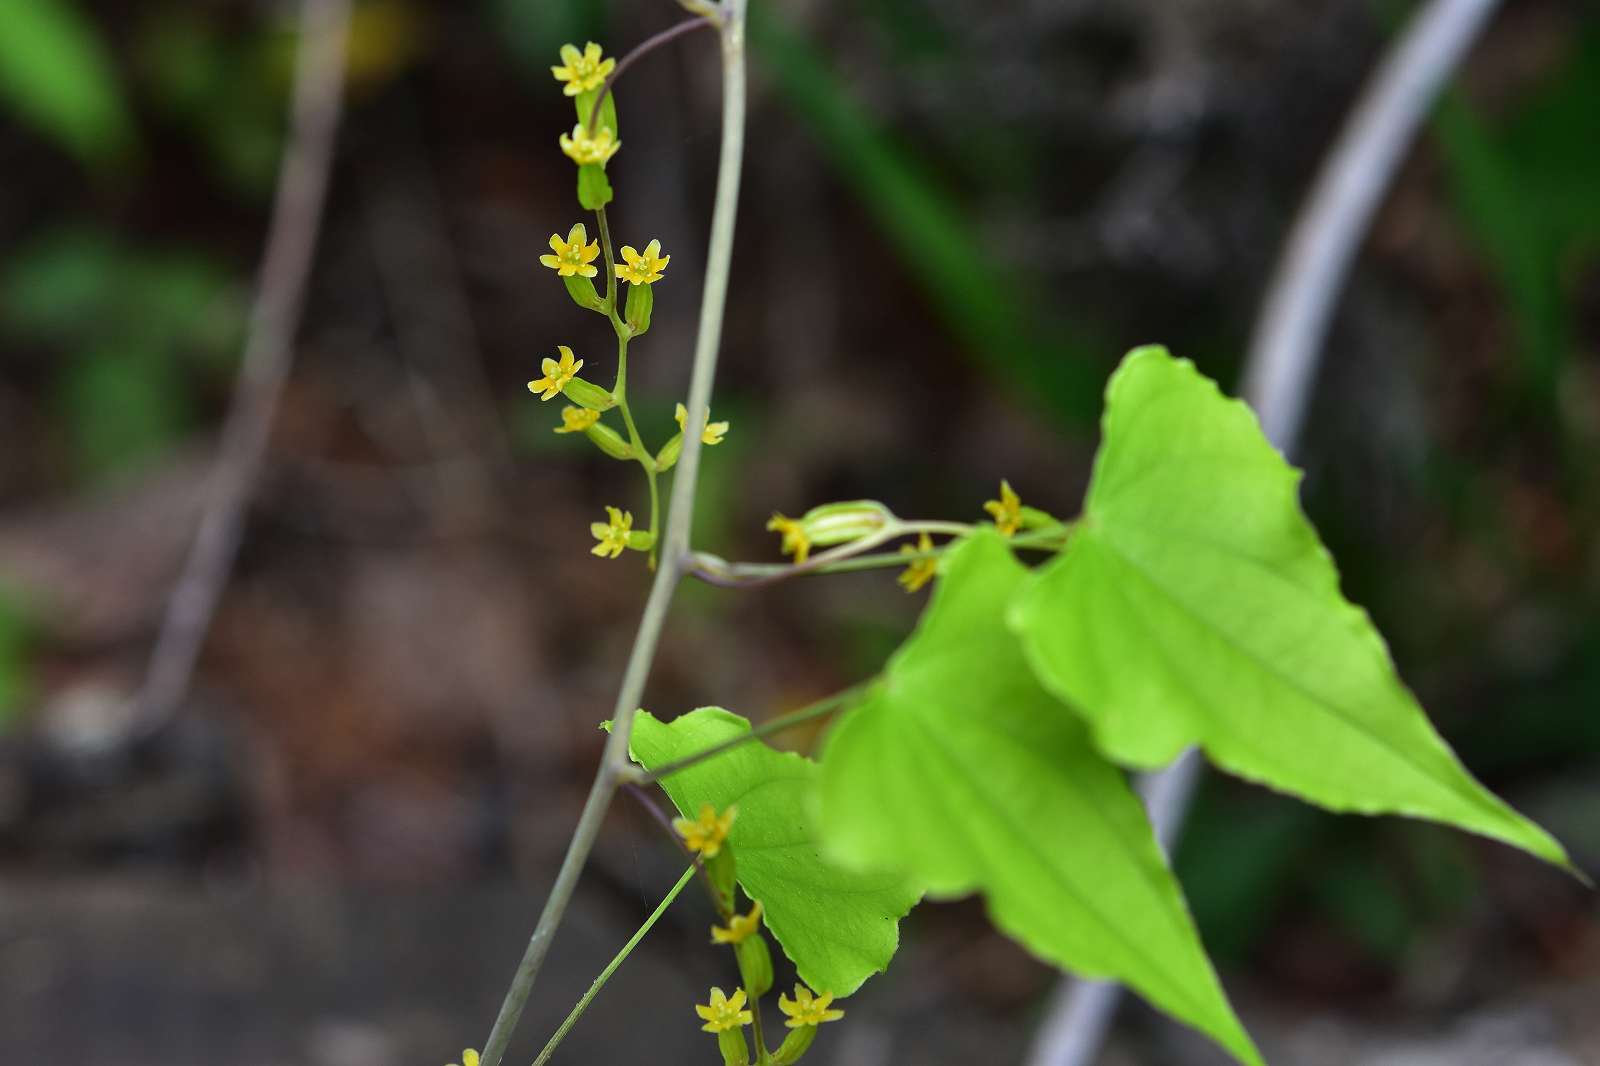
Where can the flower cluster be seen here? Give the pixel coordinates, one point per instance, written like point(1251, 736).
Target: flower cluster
point(586, 75)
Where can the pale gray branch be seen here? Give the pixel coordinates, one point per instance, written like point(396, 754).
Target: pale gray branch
point(275, 317)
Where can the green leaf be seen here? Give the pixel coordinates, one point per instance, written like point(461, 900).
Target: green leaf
point(594, 188)
point(1194, 604)
point(838, 927)
point(55, 73)
point(961, 769)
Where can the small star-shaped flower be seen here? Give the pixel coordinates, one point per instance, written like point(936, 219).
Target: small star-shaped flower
point(711, 432)
point(644, 269)
point(739, 927)
point(612, 534)
point(556, 374)
point(795, 541)
point(577, 419)
point(919, 571)
point(807, 1009)
point(1007, 510)
point(575, 255)
point(724, 1012)
point(584, 148)
point(582, 71)
point(706, 833)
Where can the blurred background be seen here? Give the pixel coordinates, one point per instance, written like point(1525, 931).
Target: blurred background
point(957, 216)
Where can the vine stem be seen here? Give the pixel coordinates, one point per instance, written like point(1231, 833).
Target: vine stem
point(847, 558)
point(611, 968)
point(826, 705)
point(675, 547)
point(641, 50)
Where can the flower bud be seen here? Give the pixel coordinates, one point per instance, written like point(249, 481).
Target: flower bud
point(794, 1045)
point(720, 869)
point(588, 394)
point(840, 523)
point(608, 110)
point(667, 457)
point(582, 291)
point(641, 301)
point(594, 188)
point(735, 1051)
point(755, 964)
point(609, 441)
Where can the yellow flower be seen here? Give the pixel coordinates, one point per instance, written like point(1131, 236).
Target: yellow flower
point(919, 571)
point(582, 71)
point(739, 927)
point(642, 269)
point(577, 419)
point(556, 375)
point(710, 433)
point(582, 148)
point(706, 833)
point(612, 535)
point(575, 255)
point(795, 541)
point(1007, 510)
point(724, 1012)
point(468, 1058)
point(807, 1009)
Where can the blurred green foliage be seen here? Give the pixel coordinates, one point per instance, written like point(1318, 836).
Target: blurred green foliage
point(131, 327)
point(225, 89)
point(56, 74)
point(535, 32)
point(1525, 188)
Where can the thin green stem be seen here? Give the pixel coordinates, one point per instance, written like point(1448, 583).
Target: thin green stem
point(674, 550)
point(826, 705)
point(763, 1056)
point(611, 968)
point(646, 460)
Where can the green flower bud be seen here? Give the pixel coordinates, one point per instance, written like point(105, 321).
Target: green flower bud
point(755, 964)
point(840, 523)
point(720, 869)
point(609, 441)
point(641, 301)
point(667, 457)
point(794, 1045)
point(594, 188)
point(588, 394)
point(608, 111)
point(1033, 518)
point(735, 1050)
point(583, 293)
